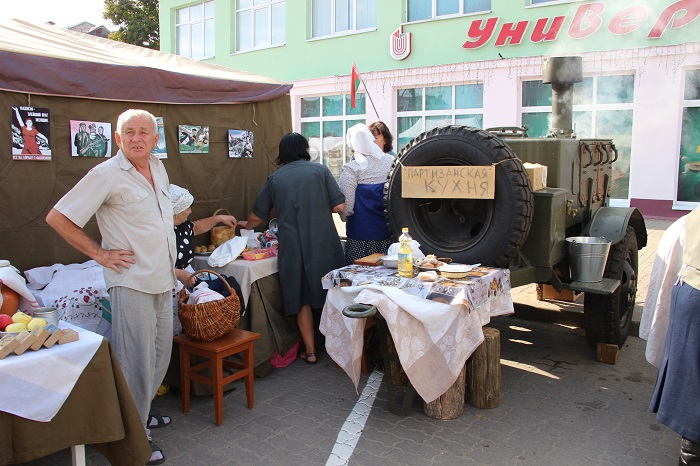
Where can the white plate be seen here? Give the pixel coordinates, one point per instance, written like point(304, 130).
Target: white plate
point(455, 268)
point(391, 261)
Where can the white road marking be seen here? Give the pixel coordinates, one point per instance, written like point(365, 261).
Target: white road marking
point(352, 428)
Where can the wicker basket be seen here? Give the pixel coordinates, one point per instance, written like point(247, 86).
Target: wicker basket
point(222, 233)
point(211, 320)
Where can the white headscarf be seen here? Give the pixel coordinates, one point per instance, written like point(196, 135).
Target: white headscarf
point(361, 140)
point(181, 199)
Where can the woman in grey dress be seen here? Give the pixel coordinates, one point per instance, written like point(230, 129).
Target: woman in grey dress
point(305, 195)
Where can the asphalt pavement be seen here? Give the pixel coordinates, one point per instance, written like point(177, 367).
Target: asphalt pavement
point(560, 407)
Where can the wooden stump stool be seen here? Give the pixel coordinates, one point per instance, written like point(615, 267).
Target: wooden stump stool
point(450, 404)
point(483, 384)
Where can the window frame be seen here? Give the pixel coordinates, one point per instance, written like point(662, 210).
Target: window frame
point(204, 21)
point(345, 117)
point(687, 103)
point(593, 108)
point(269, 4)
point(334, 33)
point(425, 115)
point(434, 8)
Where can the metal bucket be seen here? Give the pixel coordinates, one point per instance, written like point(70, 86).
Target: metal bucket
point(587, 257)
point(48, 313)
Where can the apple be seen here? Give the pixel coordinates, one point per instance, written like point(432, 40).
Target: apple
point(16, 327)
point(21, 317)
point(36, 322)
point(5, 320)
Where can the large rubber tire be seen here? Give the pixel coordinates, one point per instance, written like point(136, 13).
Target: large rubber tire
point(486, 231)
point(607, 318)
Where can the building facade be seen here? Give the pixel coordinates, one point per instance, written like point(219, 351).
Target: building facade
point(427, 63)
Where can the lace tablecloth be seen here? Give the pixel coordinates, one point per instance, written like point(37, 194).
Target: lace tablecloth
point(435, 326)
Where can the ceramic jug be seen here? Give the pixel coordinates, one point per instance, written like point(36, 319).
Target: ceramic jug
point(10, 298)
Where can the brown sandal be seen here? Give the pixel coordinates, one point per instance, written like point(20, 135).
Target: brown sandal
point(310, 358)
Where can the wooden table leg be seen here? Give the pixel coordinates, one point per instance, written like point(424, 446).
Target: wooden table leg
point(218, 388)
point(185, 378)
point(248, 357)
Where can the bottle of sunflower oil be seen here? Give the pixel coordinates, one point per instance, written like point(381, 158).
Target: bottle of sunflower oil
point(405, 255)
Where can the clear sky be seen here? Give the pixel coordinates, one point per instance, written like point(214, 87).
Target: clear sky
point(62, 12)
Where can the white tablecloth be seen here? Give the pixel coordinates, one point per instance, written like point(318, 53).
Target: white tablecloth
point(433, 339)
point(245, 272)
point(35, 384)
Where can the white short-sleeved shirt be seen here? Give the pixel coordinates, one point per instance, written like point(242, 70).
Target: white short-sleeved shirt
point(130, 215)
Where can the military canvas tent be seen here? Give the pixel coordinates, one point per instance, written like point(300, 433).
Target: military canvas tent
point(79, 77)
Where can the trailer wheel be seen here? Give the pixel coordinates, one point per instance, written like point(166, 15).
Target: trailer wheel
point(486, 231)
point(607, 318)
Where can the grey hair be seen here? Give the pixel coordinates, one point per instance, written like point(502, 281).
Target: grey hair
point(134, 113)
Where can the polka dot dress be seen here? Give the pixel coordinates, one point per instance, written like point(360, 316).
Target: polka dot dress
point(357, 249)
point(184, 234)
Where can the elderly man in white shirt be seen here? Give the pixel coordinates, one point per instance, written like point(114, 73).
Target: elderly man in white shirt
point(129, 194)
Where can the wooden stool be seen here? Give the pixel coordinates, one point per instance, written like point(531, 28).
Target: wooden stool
point(483, 381)
point(450, 404)
point(234, 342)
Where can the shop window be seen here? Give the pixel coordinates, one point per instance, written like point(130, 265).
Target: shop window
point(420, 10)
point(438, 98)
point(259, 24)
point(615, 89)
point(689, 158)
point(536, 93)
point(331, 17)
point(324, 122)
point(194, 29)
point(602, 109)
point(469, 96)
point(692, 85)
point(422, 109)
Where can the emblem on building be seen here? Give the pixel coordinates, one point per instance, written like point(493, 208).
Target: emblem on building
point(400, 44)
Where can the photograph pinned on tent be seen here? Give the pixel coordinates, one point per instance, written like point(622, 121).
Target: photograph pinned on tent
point(240, 144)
point(30, 133)
point(90, 138)
point(160, 151)
point(193, 139)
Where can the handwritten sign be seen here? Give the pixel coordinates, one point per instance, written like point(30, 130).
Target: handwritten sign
point(452, 181)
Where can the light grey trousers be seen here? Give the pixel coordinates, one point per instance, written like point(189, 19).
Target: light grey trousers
point(142, 336)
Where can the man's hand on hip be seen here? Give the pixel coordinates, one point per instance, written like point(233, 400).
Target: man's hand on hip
point(115, 258)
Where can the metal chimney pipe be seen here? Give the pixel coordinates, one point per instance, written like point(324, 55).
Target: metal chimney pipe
point(562, 73)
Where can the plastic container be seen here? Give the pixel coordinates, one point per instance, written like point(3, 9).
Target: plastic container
point(587, 257)
point(257, 254)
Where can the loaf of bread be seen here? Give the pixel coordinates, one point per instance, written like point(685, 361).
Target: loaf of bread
point(428, 276)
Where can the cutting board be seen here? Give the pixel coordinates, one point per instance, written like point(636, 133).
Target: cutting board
point(372, 259)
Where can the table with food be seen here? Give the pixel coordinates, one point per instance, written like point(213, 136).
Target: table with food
point(51, 390)
point(435, 323)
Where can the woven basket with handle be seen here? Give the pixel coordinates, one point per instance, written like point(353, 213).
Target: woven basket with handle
point(211, 320)
point(222, 233)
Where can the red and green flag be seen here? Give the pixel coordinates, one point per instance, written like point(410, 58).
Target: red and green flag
point(354, 84)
